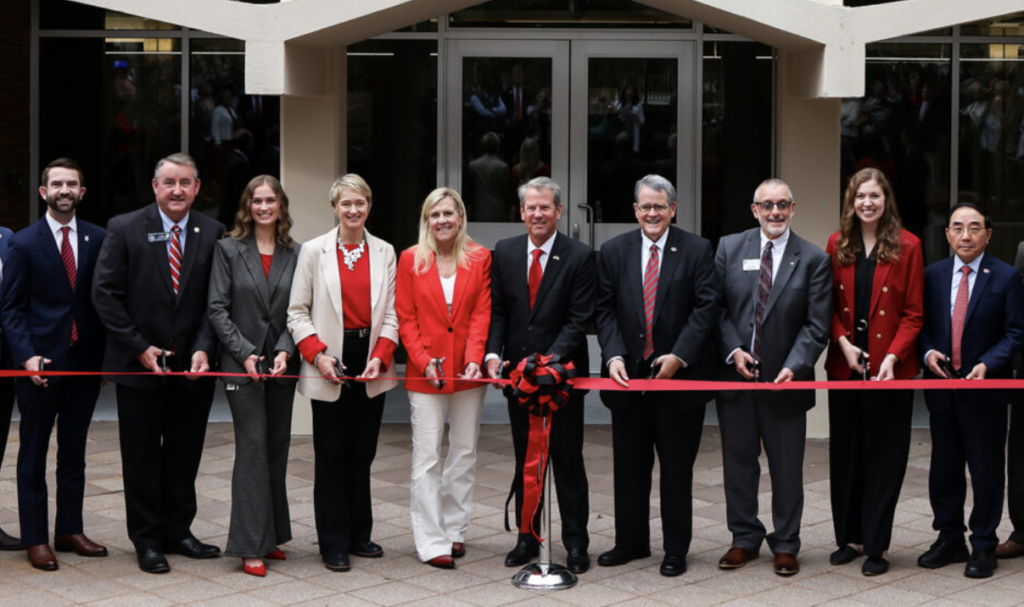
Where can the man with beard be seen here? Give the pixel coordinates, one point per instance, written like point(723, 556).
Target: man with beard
point(49, 320)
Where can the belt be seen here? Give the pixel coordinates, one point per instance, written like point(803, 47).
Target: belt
point(358, 333)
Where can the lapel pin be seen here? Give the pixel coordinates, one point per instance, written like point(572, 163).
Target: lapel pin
point(196, 229)
point(87, 238)
point(673, 249)
point(555, 257)
point(985, 270)
point(792, 263)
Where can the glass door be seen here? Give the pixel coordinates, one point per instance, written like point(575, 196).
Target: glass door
point(507, 121)
point(632, 115)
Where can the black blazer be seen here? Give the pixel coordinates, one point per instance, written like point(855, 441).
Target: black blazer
point(684, 310)
point(134, 297)
point(38, 304)
point(248, 310)
point(562, 311)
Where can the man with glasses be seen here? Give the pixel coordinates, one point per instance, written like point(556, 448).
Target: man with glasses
point(775, 316)
point(655, 313)
point(973, 325)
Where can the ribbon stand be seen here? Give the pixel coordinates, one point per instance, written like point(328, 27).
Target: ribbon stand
point(545, 575)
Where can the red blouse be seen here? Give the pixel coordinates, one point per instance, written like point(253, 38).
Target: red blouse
point(266, 259)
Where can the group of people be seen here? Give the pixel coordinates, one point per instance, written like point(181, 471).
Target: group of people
point(152, 300)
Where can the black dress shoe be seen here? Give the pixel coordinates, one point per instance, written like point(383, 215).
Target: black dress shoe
point(673, 566)
point(874, 565)
point(942, 554)
point(152, 560)
point(522, 554)
point(981, 563)
point(9, 542)
point(620, 556)
point(578, 560)
point(192, 548)
point(367, 550)
point(337, 561)
point(846, 554)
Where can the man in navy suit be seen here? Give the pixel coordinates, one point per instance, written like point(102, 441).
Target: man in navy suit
point(973, 323)
point(7, 542)
point(48, 318)
point(656, 307)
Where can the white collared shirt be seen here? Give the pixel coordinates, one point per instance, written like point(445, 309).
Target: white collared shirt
point(645, 251)
point(168, 224)
point(778, 250)
point(958, 276)
point(58, 234)
point(546, 247)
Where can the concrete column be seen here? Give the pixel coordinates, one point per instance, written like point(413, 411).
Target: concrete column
point(313, 154)
point(807, 152)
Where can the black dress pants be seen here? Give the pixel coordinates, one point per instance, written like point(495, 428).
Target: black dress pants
point(344, 444)
point(1015, 472)
point(162, 432)
point(868, 451)
point(568, 469)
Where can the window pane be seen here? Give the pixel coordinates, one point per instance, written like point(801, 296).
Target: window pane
point(1009, 25)
point(116, 109)
point(566, 14)
point(392, 131)
point(736, 133)
point(67, 15)
point(902, 127)
point(992, 140)
point(232, 136)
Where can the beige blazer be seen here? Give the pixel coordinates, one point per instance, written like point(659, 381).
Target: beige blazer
point(315, 308)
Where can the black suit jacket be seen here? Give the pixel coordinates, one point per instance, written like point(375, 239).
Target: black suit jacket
point(38, 303)
point(563, 308)
point(135, 299)
point(684, 310)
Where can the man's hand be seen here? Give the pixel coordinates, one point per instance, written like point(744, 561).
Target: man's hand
point(617, 371)
point(978, 372)
point(933, 363)
point(786, 375)
point(150, 359)
point(667, 365)
point(743, 360)
point(32, 364)
point(200, 363)
point(280, 363)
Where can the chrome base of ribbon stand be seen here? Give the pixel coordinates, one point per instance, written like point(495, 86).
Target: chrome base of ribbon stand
point(544, 576)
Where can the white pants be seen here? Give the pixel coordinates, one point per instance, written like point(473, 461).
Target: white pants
point(440, 502)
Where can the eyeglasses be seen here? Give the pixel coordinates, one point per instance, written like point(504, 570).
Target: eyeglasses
point(359, 205)
point(647, 208)
point(768, 204)
point(973, 230)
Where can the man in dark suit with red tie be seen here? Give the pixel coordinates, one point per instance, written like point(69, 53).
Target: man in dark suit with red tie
point(543, 285)
point(973, 325)
point(150, 291)
point(656, 307)
point(48, 318)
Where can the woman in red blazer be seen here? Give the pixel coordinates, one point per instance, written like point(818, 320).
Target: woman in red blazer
point(444, 311)
point(878, 286)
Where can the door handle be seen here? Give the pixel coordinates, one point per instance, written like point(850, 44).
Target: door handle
point(590, 221)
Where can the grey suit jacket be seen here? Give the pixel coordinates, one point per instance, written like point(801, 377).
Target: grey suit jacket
point(795, 326)
point(248, 311)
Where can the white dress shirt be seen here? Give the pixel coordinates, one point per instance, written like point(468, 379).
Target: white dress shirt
point(954, 286)
point(58, 234)
point(169, 224)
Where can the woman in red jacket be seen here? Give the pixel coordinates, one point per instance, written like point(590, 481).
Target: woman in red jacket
point(444, 313)
point(878, 286)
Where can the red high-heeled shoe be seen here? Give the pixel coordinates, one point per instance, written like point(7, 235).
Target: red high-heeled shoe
point(276, 555)
point(257, 570)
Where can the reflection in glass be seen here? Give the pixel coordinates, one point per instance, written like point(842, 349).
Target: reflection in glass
point(67, 15)
point(901, 127)
point(992, 139)
point(127, 119)
point(506, 132)
point(232, 136)
point(632, 109)
point(1008, 25)
point(392, 131)
point(736, 133)
point(617, 14)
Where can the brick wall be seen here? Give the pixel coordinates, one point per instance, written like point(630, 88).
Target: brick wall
point(15, 38)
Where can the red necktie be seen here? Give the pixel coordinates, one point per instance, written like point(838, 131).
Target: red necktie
point(68, 257)
point(175, 257)
point(963, 295)
point(764, 289)
point(536, 273)
point(650, 294)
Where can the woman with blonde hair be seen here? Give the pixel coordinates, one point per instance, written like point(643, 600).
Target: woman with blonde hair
point(878, 292)
point(444, 311)
point(342, 317)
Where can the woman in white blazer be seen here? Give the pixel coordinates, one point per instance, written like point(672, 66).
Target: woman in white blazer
point(342, 318)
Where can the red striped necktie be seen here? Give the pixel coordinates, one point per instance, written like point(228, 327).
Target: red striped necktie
point(68, 257)
point(650, 294)
point(175, 257)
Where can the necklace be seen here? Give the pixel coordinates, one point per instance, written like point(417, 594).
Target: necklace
point(353, 255)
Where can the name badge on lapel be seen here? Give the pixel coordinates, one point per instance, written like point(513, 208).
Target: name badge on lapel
point(158, 237)
point(750, 265)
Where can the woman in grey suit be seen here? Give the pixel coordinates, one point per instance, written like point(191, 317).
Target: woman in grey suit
point(249, 288)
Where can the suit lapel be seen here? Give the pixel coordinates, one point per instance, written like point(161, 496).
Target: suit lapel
point(191, 244)
point(461, 282)
point(436, 290)
point(518, 277)
point(789, 261)
point(634, 275)
point(329, 271)
point(947, 310)
point(48, 246)
point(881, 276)
point(163, 265)
point(980, 286)
point(254, 264)
point(84, 251)
point(670, 259)
point(282, 257)
point(752, 250)
point(551, 270)
point(378, 269)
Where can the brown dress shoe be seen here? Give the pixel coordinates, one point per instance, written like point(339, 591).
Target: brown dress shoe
point(736, 557)
point(458, 550)
point(42, 557)
point(79, 544)
point(1009, 550)
point(786, 563)
point(9, 542)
